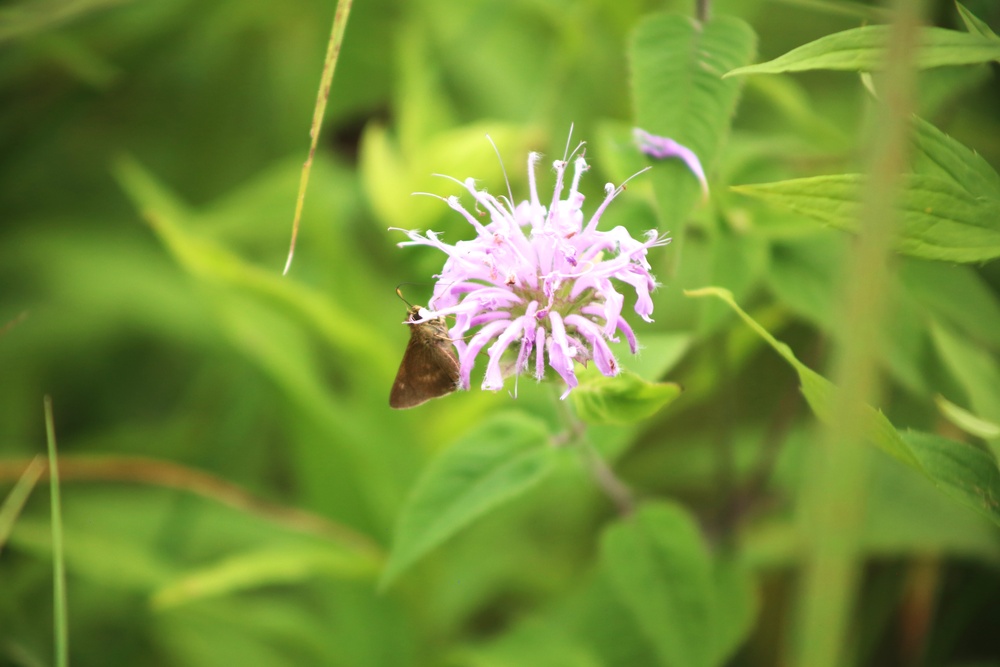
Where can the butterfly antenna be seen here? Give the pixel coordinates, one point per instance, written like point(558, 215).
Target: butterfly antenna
point(399, 293)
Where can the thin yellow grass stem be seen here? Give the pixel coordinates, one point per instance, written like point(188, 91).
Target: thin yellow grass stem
point(326, 79)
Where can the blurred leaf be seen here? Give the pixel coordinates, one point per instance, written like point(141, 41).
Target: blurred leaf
point(802, 273)
point(966, 471)
point(528, 645)
point(26, 17)
point(114, 561)
point(678, 92)
point(658, 353)
point(904, 516)
point(974, 24)
point(965, 420)
point(956, 295)
point(623, 399)
point(940, 220)
point(14, 502)
point(975, 369)
point(499, 460)
point(736, 607)
point(862, 49)
point(962, 471)
point(941, 156)
point(261, 568)
point(213, 263)
point(693, 613)
point(341, 624)
point(396, 178)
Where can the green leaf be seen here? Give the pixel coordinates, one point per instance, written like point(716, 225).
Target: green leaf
point(958, 469)
point(966, 471)
point(496, 462)
point(862, 50)
point(260, 568)
point(623, 399)
point(939, 155)
point(736, 607)
point(660, 352)
point(965, 420)
point(941, 221)
point(975, 369)
point(678, 92)
point(691, 610)
point(974, 24)
point(18, 496)
point(214, 264)
point(956, 295)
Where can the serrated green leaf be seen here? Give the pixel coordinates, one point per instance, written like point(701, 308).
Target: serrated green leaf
point(862, 50)
point(623, 399)
point(966, 471)
point(678, 92)
point(939, 155)
point(694, 611)
point(974, 24)
point(941, 221)
point(962, 471)
point(496, 462)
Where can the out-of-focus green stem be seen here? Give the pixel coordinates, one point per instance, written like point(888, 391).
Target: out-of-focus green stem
point(604, 476)
point(834, 492)
point(58, 556)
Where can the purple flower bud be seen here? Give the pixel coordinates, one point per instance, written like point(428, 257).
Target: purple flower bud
point(663, 147)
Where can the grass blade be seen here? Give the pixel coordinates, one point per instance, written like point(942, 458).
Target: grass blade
point(58, 560)
point(14, 503)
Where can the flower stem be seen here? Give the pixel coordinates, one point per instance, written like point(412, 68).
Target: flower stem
point(576, 435)
point(616, 490)
point(701, 9)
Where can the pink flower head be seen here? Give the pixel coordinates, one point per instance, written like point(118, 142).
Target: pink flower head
point(539, 281)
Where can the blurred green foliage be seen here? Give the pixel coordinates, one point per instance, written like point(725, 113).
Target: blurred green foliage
point(233, 475)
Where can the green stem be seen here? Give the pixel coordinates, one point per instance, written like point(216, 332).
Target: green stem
point(603, 475)
point(702, 10)
point(58, 559)
point(834, 492)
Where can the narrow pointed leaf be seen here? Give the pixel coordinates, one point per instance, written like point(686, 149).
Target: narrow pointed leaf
point(967, 473)
point(974, 24)
point(260, 568)
point(863, 50)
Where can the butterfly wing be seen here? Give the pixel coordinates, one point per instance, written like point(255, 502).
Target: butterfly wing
point(429, 369)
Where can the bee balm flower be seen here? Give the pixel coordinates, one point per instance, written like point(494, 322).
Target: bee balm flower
point(540, 282)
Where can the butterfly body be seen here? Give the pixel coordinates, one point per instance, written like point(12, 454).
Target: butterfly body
point(429, 368)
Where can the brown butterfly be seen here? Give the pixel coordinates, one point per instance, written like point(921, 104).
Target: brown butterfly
point(429, 368)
